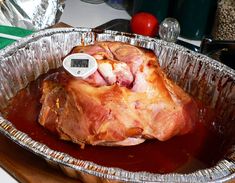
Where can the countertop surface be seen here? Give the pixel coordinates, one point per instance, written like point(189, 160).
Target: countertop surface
point(81, 14)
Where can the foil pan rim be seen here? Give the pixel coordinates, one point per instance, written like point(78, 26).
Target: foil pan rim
point(8, 129)
point(48, 32)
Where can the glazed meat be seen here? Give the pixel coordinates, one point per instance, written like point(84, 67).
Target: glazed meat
point(127, 100)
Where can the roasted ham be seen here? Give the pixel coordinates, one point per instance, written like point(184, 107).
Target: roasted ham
point(127, 100)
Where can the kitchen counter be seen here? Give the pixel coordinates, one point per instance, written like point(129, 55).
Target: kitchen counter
point(81, 14)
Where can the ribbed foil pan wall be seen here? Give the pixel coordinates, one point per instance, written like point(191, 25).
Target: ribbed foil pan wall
point(202, 77)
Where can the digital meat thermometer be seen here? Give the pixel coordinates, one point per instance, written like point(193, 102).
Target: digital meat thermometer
point(80, 65)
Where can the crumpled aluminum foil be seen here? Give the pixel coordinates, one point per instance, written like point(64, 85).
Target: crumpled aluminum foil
point(30, 14)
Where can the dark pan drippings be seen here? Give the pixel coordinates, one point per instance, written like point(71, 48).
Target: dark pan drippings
point(199, 149)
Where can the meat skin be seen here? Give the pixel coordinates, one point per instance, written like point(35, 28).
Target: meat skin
point(127, 100)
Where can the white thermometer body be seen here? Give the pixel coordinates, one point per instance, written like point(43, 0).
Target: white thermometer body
point(80, 65)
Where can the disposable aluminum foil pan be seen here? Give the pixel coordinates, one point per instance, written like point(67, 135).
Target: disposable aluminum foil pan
point(202, 77)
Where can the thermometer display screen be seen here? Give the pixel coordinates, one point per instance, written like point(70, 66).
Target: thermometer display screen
point(79, 63)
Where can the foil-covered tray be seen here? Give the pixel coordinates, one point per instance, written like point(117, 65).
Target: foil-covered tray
point(204, 78)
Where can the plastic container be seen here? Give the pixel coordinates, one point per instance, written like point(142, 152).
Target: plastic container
point(194, 17)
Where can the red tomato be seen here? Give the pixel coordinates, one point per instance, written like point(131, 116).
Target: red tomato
point(145, 24)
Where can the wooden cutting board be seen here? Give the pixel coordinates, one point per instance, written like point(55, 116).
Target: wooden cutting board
point(25, 166)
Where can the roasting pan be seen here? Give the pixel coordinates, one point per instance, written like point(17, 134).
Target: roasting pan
point(199, 75)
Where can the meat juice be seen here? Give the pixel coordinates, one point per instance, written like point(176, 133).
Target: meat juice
point(198, 149)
